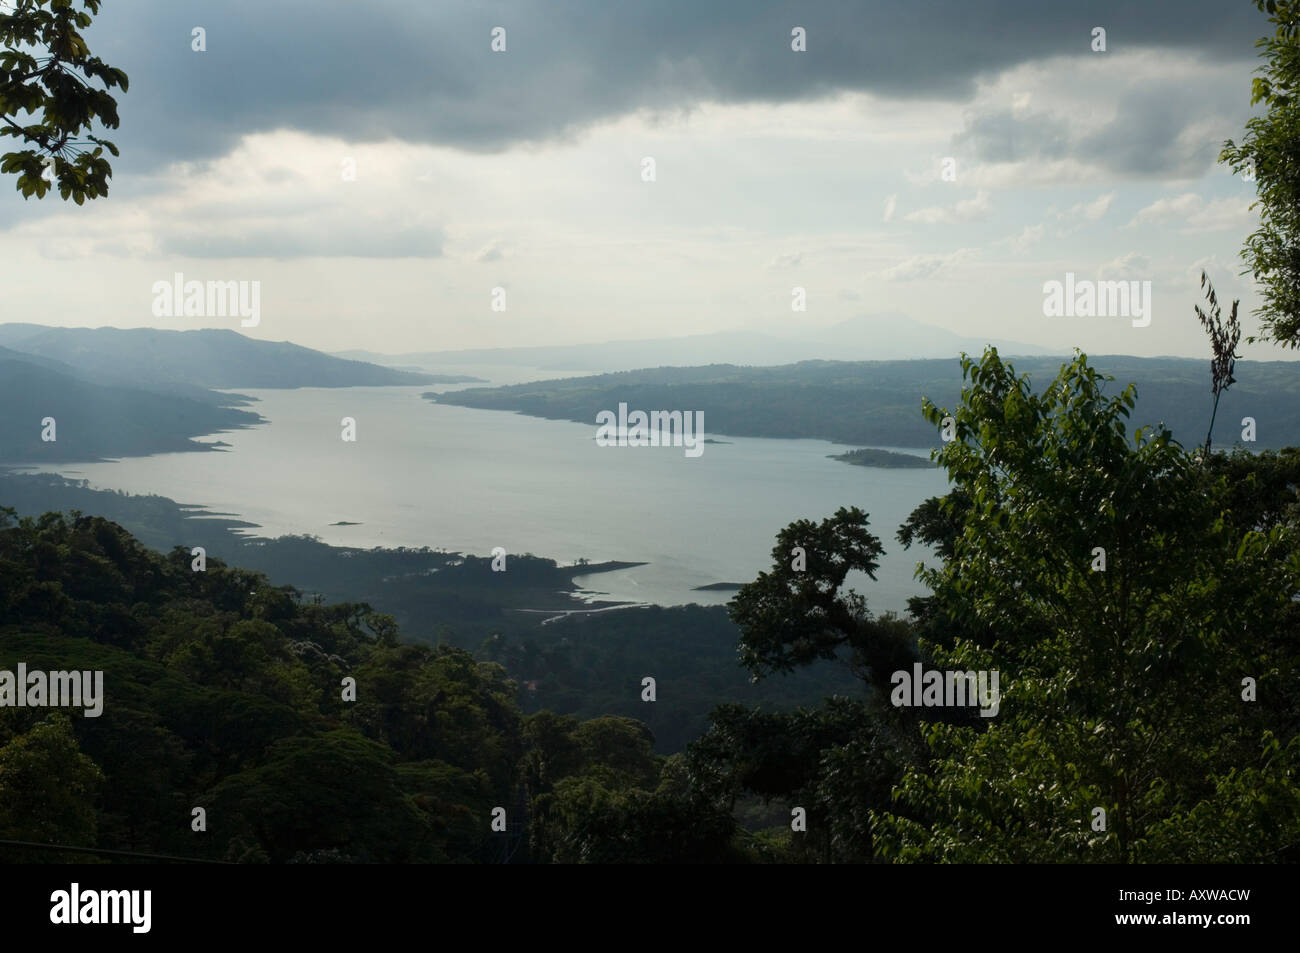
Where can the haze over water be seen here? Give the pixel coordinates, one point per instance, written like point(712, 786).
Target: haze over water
point(425, 474)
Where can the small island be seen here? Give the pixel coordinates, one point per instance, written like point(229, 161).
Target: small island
point(437, 378)
point(886, 459)
point(448, 379)
point(344, 523)
point(720, 587)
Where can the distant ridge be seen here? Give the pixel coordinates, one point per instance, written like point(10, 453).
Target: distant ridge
point(208, 358)
point(878, 403)
point(877, 337)
point(119, 393)
point(95, 421)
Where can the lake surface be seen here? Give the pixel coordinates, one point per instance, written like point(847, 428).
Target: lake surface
point(424, 474)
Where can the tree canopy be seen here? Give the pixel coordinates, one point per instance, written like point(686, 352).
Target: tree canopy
point(46, 72)
point(1136, 601)
point(1270, 154)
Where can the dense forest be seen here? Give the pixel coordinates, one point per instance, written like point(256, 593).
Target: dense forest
point(226, 693)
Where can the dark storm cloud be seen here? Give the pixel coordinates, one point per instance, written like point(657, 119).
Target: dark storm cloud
point(1001, 136)
point(1142, 139)
point(422, 70)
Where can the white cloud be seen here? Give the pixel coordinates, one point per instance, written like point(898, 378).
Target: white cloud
point(1021, 243)
point(492, 251)
point(1212, 265)
point(1163, 211)
point(1193, 213)
point(1131, 267)
point(1223, 213)
point(1091, 211)
point(926, 266)
point(967, 210)
point(1035, 173)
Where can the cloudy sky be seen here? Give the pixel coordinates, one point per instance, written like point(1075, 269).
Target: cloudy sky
point(774, 169)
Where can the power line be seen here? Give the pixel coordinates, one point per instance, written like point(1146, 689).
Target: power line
point(69, 849)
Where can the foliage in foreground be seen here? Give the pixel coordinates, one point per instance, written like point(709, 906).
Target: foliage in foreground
point(1124, 590)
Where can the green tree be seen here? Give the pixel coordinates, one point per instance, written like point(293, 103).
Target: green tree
point(1224, 336)
point(47, 789)
point(621, 749)
point(836, 762)
point(800, 611)
point(46, 69)
point(1270, 151)
point(597, 824)
point(333, 791)
point(1124, 608)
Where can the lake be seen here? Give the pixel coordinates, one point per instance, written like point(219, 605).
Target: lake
point(424, 474)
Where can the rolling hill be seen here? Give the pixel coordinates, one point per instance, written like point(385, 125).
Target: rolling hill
point(208, 358)
point(878, 403)
point(95, 421)
point(118, 393)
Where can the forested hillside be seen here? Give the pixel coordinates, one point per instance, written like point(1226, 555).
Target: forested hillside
point(228, 694)
point(95, 421)
point(122, 393)
point(878, 402)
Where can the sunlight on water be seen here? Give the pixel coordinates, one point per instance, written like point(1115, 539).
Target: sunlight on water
point(423, 474)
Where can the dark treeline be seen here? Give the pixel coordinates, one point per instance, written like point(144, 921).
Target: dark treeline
point(888, 459)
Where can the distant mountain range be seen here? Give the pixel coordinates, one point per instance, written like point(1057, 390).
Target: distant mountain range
point(115, 393)
point(130, 392)
point(879, 403)
point(207, 358)
point(877, 337)
point(94, 421)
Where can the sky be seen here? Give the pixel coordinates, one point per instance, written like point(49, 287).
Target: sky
point(380, 169)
